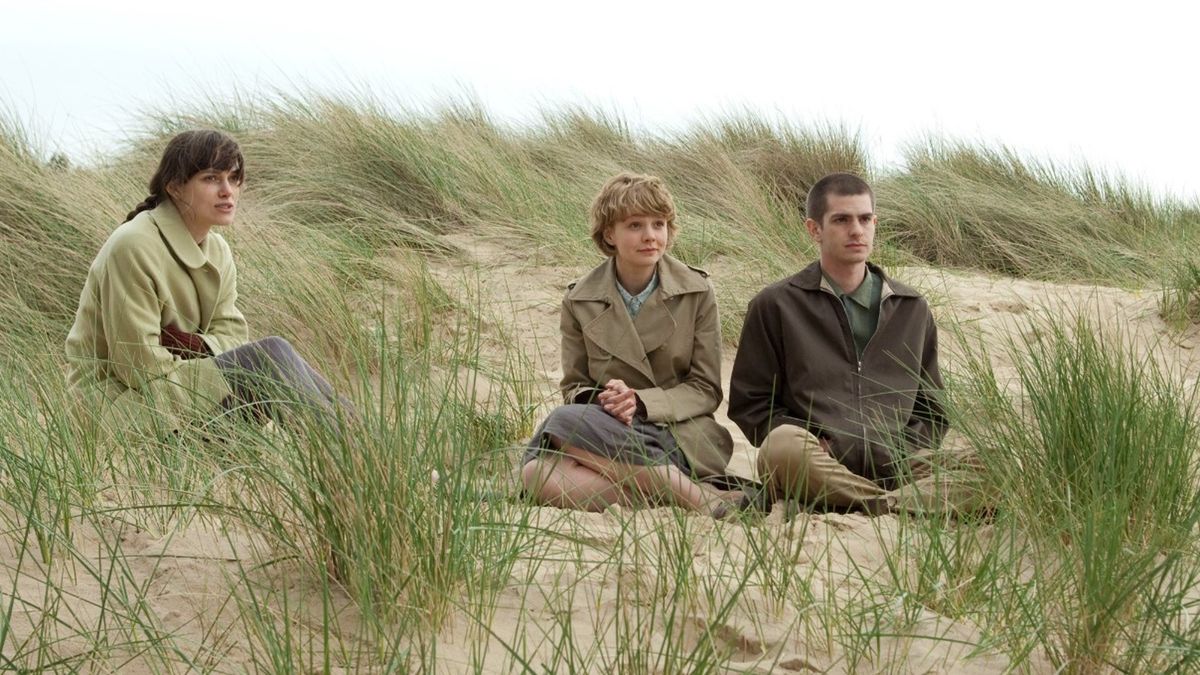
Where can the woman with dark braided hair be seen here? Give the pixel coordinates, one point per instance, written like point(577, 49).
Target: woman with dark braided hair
point(158, 335)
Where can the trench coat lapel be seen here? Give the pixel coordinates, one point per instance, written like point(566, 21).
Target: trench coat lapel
point(613, 331)
point(631, 340)
point(654, 323)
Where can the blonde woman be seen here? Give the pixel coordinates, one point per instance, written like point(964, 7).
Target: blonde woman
point(641, 354)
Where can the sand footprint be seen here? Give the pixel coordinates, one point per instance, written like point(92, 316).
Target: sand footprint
point(790, 663)
point(1009, 306)
point(743, 640)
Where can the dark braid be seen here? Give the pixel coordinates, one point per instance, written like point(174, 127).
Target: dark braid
point(147, 204)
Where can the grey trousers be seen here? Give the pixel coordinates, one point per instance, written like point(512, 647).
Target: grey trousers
point(269, 376)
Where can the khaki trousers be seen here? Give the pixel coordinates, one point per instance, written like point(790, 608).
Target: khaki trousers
point(795, 465)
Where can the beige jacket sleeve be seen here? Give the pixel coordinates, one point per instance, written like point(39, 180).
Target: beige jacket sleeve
point(576, 385)
point(699, 390)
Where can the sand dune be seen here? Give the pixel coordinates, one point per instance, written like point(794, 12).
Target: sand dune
point(612, 582)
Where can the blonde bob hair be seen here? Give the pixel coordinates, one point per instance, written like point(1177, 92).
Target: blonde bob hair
point(630, 194)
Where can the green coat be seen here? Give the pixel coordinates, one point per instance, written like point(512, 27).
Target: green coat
point(670, 354)
point(148, 275)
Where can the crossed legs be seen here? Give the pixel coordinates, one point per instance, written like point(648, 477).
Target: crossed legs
point(574, 478)
point(794, 464)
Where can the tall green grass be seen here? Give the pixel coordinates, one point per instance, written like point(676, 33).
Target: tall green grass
point(411, 176)
point(351, 508)
point(52, 222)
point(973, 206)
point(1098, 499)
point(1179, 303)
point(359, 498)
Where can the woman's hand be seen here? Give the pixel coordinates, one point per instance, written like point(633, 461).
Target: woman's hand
point(183, 344)
point(619, 401)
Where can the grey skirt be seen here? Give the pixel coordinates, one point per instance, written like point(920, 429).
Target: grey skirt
point(589, 428)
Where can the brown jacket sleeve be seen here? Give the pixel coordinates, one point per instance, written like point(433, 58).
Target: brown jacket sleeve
point(754, 387)
point(928, 423)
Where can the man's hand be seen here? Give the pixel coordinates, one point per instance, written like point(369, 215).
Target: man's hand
point(183, 344)
point(619, 401)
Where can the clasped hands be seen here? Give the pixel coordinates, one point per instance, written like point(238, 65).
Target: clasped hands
point(183, 344)
point(619, 400)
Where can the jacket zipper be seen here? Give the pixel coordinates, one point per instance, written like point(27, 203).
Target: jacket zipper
point(858, 395)
point(884, 297)
point(852, 352)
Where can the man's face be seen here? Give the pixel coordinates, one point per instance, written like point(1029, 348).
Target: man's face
point(847, 232)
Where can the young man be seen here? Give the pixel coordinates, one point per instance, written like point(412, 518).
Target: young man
point(836, 377)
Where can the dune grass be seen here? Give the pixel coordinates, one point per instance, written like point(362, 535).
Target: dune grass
point(1179, 303)
point(380, 177)
point(972, 206)
point(335, 548)
point(1098, 495)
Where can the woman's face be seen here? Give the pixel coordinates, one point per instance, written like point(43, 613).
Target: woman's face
point(208, 198)
point(640, 239)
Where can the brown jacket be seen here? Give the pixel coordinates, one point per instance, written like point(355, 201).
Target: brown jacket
point(796, 364)
point(670, 354)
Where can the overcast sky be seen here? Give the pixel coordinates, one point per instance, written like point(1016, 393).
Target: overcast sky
point(1068, 81)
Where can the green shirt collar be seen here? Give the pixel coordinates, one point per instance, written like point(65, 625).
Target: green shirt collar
point(862, 308)
point(862, 295)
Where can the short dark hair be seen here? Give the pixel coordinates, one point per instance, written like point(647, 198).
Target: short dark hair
point(186, 155)
point(844, 184)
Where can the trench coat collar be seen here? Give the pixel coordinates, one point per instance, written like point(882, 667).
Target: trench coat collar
point(166, 217)
point(674, 278)
point(631, 340)
point(811, 279)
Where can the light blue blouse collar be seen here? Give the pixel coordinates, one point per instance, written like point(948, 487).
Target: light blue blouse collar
point(634, 303)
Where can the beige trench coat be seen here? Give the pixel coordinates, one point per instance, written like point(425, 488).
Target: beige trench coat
point(148, 275)
point(670, 354)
